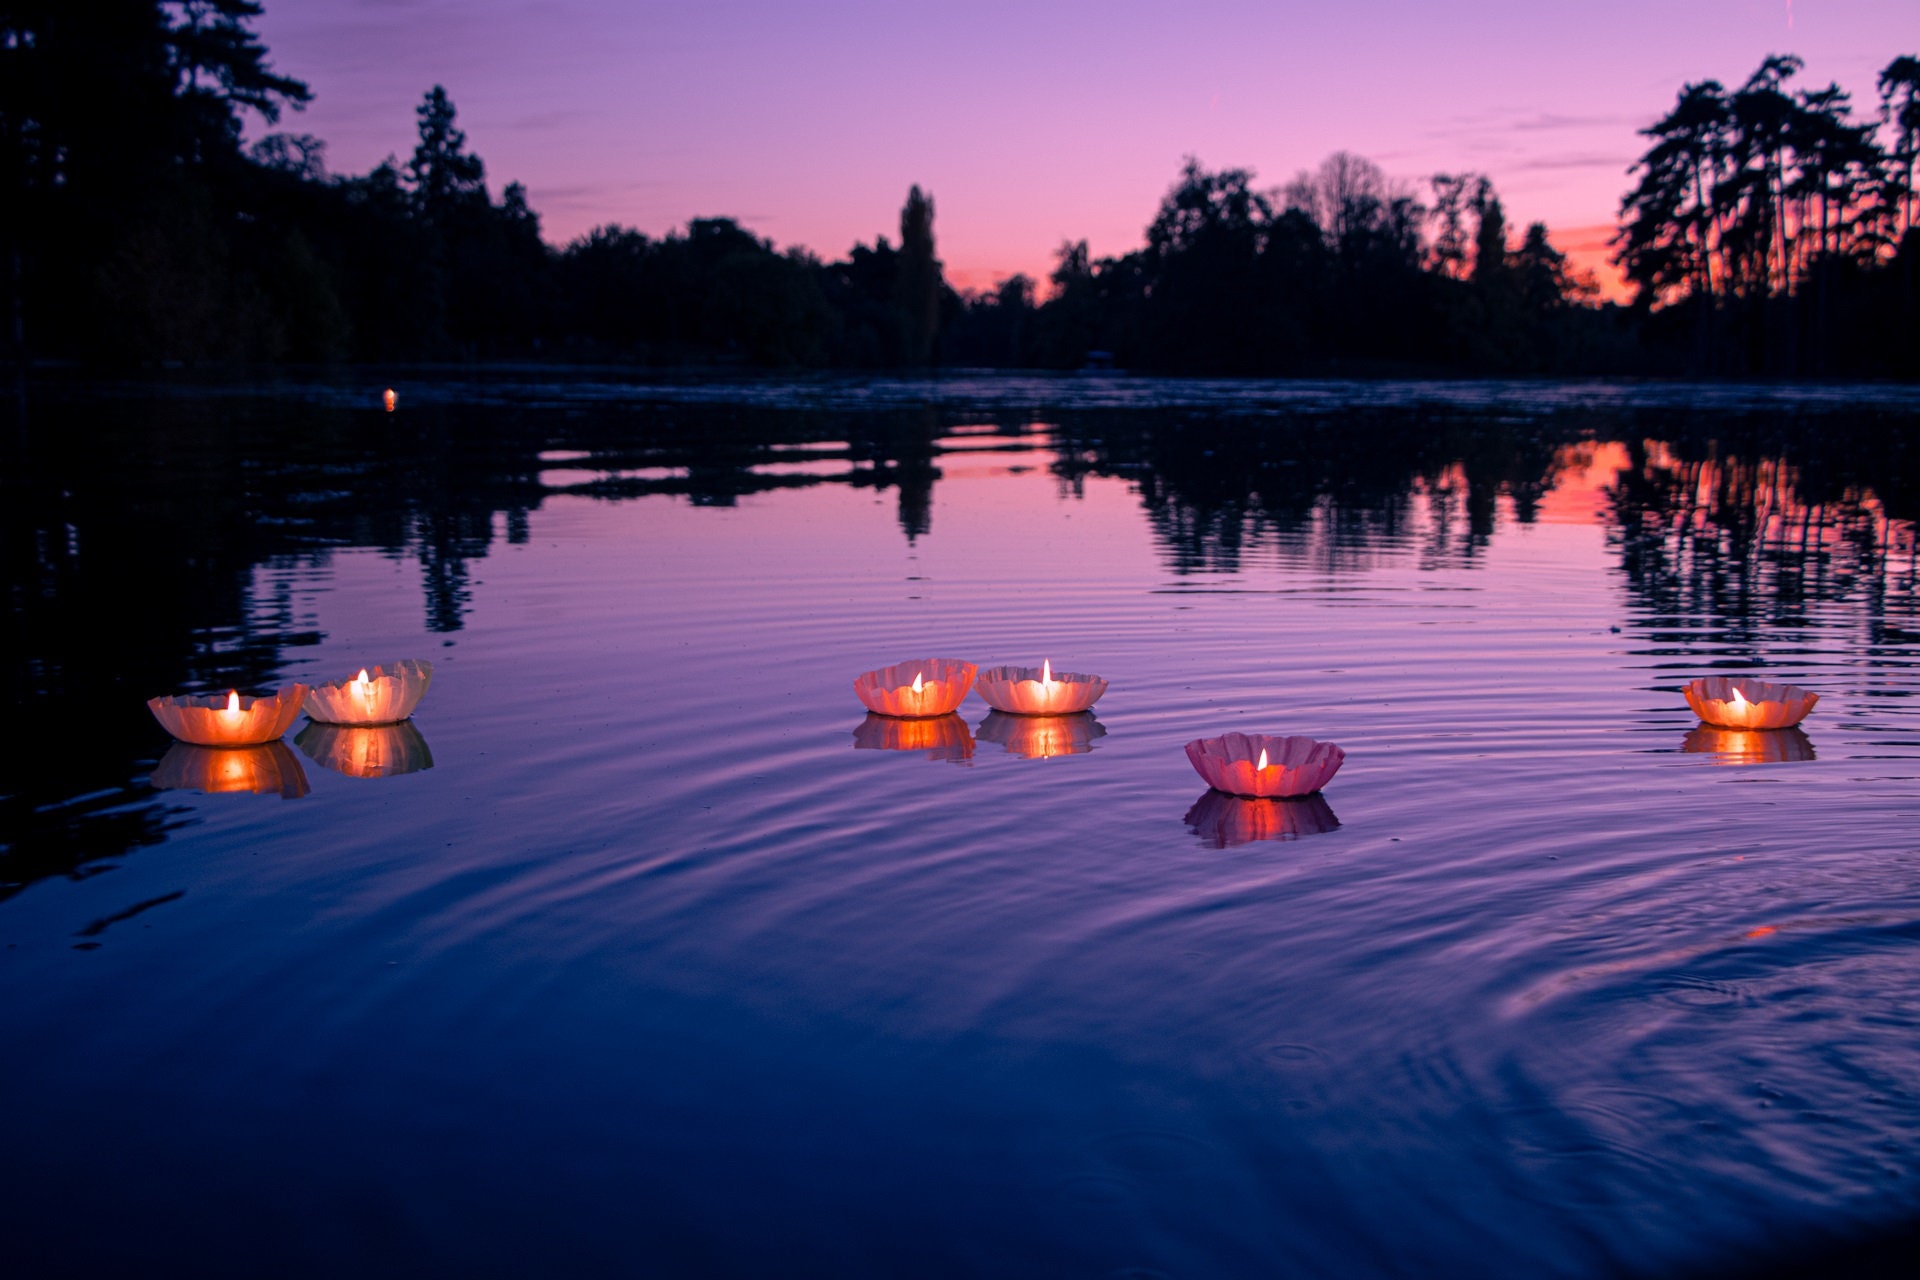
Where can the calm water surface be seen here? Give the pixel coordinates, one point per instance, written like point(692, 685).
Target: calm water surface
point(653, 955)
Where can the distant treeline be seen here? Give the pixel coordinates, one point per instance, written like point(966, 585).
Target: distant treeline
point(1769, 233)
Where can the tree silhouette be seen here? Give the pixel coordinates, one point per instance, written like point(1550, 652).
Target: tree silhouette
point(441, 175)
point(919, 278)
point(1899, 87)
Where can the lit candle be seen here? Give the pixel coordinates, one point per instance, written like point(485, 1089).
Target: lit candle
point(230, 721)
point(1297, 765)
point(1022, 691)
point(932, 687)
point(390, 399)
point(386, 695)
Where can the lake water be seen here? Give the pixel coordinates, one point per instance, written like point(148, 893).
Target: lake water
point(651, 954)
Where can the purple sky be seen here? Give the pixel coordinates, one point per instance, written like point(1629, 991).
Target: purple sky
point(1032, 123)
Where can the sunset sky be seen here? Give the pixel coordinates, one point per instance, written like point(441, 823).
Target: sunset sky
point(1034, 123)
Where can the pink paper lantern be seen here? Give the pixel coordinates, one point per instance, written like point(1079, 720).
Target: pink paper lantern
point(378, 695)
point(1265, 765)
point(1039, 691)
point(1742, 702)
point(929, 687)
point(229, 720)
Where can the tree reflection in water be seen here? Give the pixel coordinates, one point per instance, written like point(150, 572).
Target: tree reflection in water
point(196, 513)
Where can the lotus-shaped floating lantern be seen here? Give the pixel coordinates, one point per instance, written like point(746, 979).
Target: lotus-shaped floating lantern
point(1265, 765)
point(365, 751)
point(941, 737)
point(1224, 822)
point(1042, 737)
point(1742, 702)
point(1749, 746)
point(930, 687)
point(386, 695)
point(1024, 691)
point(270, 767)
point(229, 720)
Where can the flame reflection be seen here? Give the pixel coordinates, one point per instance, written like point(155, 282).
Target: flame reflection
point(941, 737)
point(268, 767)
point(1749, 746)
point(1042, 737)
point(1224, 822)
point(366, 751)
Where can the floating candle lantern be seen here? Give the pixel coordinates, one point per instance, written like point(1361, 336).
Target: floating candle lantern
point(1023, 691)
point(365, 751)
point(261, 769)
point(1265, 765)
point(1224, 821)
point(931, 687)
point(941, 737)
point(1042, 737)
point(389, 399)
point(229, 720)
point(1749, 746)
point(1746, 703)
point(387, 696)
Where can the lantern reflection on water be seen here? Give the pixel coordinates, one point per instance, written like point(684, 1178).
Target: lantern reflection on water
point(270, 767)
point(1224, 821)
point(229, 720)
point(1264, 764)
point(366, 751)
point(1743, 702)
point(1749, 746)
point(1042, 737)
point(1028, 691)
point(941, 737)
point(387, 695)
point(930, 687)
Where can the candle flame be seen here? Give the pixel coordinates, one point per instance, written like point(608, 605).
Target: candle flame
point(361, 685)
point(233, 702)
point(389, 399)
point(1046, 671)
point(1263, 759)
point(916, 682)
point(1739, 701)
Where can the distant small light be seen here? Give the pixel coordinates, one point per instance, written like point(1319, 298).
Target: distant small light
point(390, 399)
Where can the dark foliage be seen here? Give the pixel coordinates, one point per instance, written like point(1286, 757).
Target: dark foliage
point(1768, 233)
